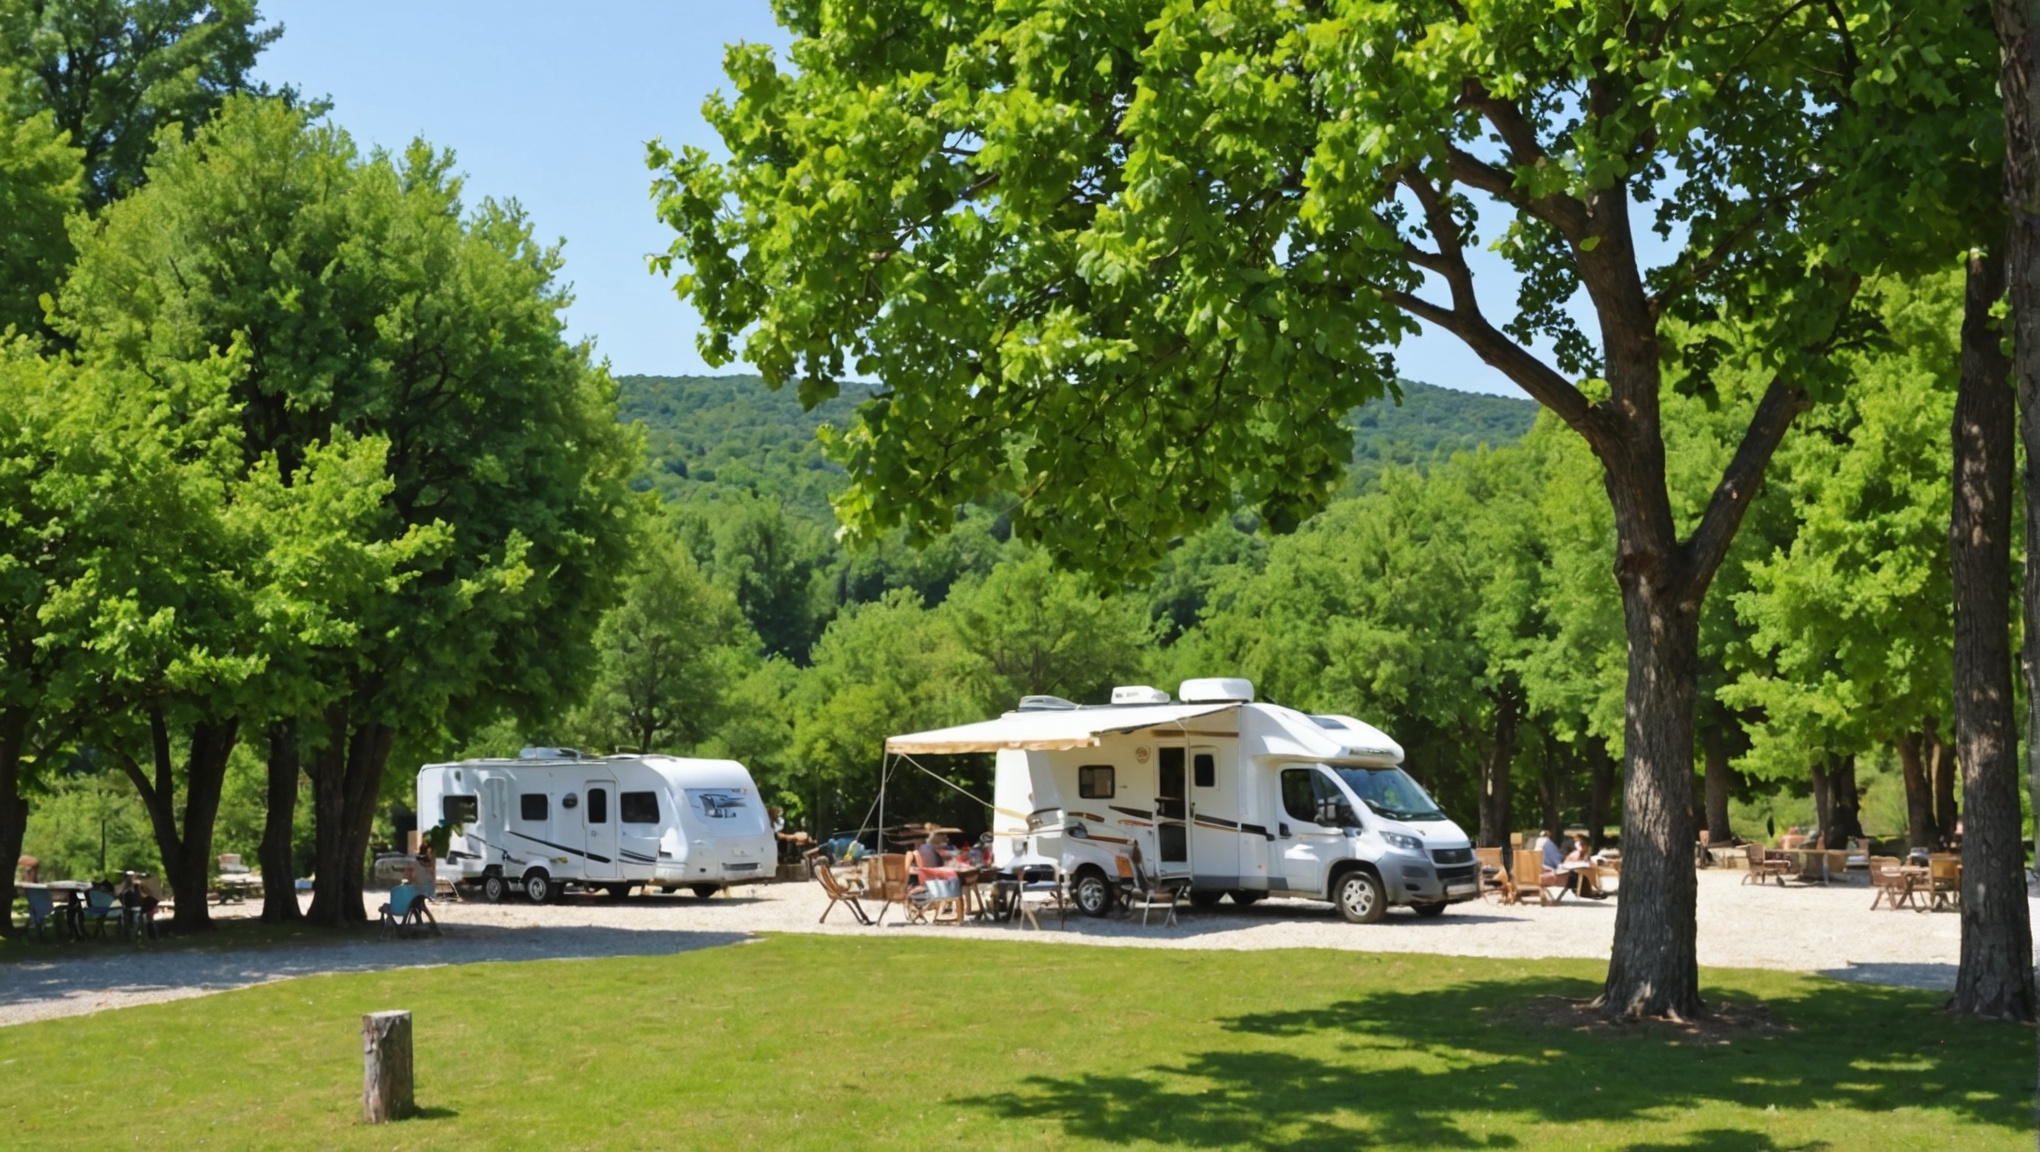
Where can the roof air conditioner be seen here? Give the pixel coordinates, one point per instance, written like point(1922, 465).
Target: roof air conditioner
point(549, 754)
point(1138, 694)
point(1045, 704)
point(1217, 690)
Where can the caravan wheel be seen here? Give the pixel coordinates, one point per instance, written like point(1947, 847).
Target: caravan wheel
point(538, 887)
point(1205, 898)
point(1093, 895)
point(495, 889)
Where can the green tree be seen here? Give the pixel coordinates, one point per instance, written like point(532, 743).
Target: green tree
point(41, 182)
point(670, 655)
point(115, 73)
point(1133, 262)
point(372, 305)
point(1851, 620)
point(1037, 631)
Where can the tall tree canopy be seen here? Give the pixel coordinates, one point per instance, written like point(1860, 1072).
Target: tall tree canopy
point(1129, 263)
point(369, 304)
point(114, 73)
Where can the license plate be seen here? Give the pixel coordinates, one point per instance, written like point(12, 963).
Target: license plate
point(1460, 889)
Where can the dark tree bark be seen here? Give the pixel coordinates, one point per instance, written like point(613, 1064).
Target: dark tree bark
point(1494, 783)
point(187, 853)
point(1941, 766)
point(2021, 97)
point(1848, 803)
point(1919, 794)
point(1717, 784)
point(13, 807)
point(1995, 978)
point(1601, 793)
point(1823, 800)
point(346, 776)
point(279, 890)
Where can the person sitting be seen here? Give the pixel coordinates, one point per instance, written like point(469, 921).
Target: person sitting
point(1579, 868)
point(1552, 871)
point(792, 845)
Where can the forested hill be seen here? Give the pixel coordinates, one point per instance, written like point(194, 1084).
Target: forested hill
point(708, 433)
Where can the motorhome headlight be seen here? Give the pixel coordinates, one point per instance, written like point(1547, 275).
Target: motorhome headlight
point(1404, 843)
point(1077, 830)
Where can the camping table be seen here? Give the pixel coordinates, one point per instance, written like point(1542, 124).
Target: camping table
point(1813, 862)
point(235, 887)
point(67, 899)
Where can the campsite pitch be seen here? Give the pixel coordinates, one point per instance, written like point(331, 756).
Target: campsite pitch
point(851, 1043)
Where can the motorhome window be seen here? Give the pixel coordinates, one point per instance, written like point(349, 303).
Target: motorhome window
point(1299, 796)
point(532, 805)
point(1204, 770)
point(638, 807)
point(598, 805)
point(1095, 782)
point(459, 809)
point(1391, 793)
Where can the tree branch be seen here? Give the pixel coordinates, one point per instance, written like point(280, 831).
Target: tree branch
point(1739, 481)
point(1511, 359)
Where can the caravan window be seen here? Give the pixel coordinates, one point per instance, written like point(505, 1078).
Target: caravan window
point(1204, 770)
point(459, 809)
point(598, 806)
point(1094, 782)
point(638, 807)
point(533, 806)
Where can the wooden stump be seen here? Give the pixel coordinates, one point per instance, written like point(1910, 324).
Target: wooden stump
point(386, 1067)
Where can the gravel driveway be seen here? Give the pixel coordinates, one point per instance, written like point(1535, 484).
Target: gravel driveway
point(1830, 931)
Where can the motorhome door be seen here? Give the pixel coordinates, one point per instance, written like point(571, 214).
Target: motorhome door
point(496, 814)
point(598, 817)
point(1214, 820)
point(1309, 837)
point(1172, 813)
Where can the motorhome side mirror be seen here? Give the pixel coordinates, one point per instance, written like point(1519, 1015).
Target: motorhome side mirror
point(1328, 813)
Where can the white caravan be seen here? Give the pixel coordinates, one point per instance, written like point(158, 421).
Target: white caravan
point(552, 818)
point(1237, 798)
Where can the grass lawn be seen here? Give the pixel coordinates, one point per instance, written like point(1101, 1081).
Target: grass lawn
point(907, 1042)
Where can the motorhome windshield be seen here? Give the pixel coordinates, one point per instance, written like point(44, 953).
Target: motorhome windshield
point(1390, 793)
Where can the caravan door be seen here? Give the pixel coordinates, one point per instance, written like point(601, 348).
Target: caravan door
point(1172, 813)
point(598, 816)
point(496, 820)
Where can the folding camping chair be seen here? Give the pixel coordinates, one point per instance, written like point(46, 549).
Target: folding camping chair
point(838, 892)
point(406, 912)
point(1494, 875)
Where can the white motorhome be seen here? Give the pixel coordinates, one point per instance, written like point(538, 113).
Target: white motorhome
point(553, 818)
point(1234, 797)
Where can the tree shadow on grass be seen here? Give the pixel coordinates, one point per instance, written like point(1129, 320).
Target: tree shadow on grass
point(1456, 1067)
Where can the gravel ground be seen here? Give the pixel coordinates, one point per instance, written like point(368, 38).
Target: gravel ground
point(1830, 931)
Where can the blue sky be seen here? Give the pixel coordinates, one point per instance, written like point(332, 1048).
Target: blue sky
point(552, 104)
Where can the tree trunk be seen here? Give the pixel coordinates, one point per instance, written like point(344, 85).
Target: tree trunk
point(187, 853)
point(1494, 783)
point(1602, 792)
point(328, 772)
point(1941, 766)
point(1823, 801)
point(279, 887)
point(346, 778)
point(2017, 64)
point(1719, 780)
point(1995, 978)
point(1919, 794)
point(13, 806)
point(1848, 803)
point(1653, 970)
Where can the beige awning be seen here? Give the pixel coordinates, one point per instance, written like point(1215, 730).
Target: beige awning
point(1048, 731)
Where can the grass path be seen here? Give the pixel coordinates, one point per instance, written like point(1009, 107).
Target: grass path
point(851, 1043)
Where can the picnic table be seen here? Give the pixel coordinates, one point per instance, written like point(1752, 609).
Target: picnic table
point(235, 887)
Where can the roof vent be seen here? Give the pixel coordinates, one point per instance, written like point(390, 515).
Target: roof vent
point(549, 754)
point(1046, 704)
point(1138, 694)
point(1217, 690)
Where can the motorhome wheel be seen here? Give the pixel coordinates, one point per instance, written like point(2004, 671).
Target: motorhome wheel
point(706, 890)
point(616, 891)
point(495, 889)
point(1246, 897)
point(1094, 896)
point(538, 887)
point(1359, 897)
point(1202, 898)
point(1430, 911)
